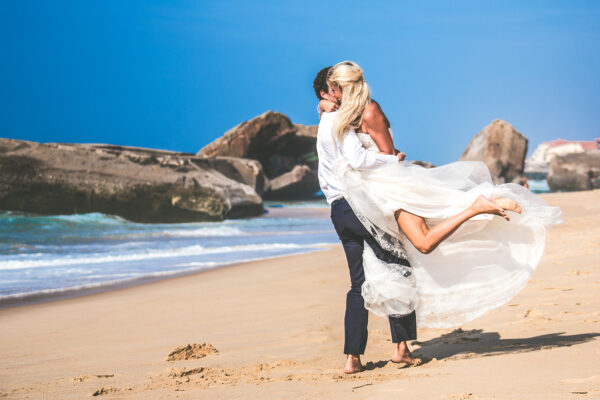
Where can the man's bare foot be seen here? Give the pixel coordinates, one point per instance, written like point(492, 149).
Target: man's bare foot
point(507, 204)
point(353, 365)
point(409, 360)
point(403, 355)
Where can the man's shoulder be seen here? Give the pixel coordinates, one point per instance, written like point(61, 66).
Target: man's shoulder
point(328, 116)
point(326, 122)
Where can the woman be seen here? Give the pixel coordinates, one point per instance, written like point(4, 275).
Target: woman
point(464, 261)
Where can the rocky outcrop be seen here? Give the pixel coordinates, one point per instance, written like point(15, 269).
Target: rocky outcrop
point(538, 165)
point(138, 184)
point(278, 145)
point(577, 171)
point(502, 148)
point(242, 170)
point(296, 184)
point(424, 164)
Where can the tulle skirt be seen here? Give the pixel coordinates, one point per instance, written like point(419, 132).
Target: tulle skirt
point(479, 267)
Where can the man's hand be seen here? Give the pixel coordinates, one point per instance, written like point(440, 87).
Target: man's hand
point(328, 105)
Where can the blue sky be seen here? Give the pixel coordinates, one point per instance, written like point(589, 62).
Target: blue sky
point(176, 75)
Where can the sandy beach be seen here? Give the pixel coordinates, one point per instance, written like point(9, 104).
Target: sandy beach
point(273, 329)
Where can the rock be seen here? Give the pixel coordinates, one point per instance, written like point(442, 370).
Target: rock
point(539, 162)
point(298, 183)
point(141, 185)
point(242, 170)
point(306, 131)
point(251, 139)
point(502, 148)
point(576, 171)
point(276, 143)
point(424, 164)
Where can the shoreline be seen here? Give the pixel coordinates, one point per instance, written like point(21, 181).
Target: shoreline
point(52, 295)
point(301, 209)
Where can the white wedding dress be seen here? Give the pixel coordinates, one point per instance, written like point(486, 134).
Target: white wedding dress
point(481, 266)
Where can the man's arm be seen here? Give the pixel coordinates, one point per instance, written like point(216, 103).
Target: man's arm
point(360, 158)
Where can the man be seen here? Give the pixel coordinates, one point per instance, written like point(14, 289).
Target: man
point(353, 235)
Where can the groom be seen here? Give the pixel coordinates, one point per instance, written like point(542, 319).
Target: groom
point(353, 235)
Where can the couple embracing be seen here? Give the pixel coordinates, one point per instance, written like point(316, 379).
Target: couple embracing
point(437, 246)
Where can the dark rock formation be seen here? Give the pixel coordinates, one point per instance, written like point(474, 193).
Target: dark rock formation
point(576, 171)
point(278, 144)
point(424, 164)
point(502, 148)
point(138, 184)
point(297, 184)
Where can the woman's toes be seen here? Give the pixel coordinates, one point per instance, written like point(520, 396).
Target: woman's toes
point(507, 204)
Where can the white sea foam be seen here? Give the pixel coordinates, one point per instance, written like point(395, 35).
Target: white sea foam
point(99, 258)
point(191, 267)
point(160, 274)
point(202, 232)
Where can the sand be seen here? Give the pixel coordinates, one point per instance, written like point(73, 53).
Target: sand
point(274, 330)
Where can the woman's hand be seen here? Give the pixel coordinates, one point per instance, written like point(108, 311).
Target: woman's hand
point(328, 105)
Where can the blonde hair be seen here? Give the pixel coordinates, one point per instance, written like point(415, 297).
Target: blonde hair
point(348, 76)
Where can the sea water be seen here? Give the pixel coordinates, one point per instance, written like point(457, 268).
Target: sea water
point(45, 256)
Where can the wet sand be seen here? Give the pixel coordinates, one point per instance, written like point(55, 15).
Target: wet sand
point(273, 329)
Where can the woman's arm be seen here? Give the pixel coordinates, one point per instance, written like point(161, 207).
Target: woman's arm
point(328, 105)
point(426, 239)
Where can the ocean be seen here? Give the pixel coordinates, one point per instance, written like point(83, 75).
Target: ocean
point(538, 185)
point(62, 256)
point(44, 257)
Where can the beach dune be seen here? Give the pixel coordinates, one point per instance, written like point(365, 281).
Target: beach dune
point(273, 329)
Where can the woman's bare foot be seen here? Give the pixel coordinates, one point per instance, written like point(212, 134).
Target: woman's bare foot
point(507, 204)
point(403, 355)
point(353, 365)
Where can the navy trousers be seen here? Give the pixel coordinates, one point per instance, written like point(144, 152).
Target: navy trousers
point(353, 235)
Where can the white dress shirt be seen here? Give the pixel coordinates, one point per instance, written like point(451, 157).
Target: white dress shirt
point(350, 148)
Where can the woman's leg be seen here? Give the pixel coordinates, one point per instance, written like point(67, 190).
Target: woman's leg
point(426, 239)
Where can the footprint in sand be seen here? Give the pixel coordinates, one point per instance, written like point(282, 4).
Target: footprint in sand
point(203, 377)
point(577, 272)
point(192, 351)
point(109, 390)
point(461, 396)
point(83, 378)
point(534, 313)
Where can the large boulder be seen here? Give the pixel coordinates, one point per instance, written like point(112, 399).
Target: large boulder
point(250, 139)
point(275, 142)
point(142, 185)
point(296, 184)
point(243, 170)
point(576, 171)
point(502, 148)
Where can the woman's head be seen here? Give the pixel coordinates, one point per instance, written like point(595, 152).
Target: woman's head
point(348, 84)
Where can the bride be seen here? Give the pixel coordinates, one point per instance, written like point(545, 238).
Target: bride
point(464, 261)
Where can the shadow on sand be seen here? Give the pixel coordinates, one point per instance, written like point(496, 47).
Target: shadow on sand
point(477, 343)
